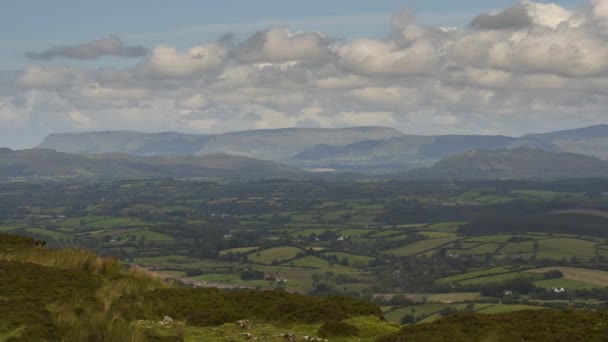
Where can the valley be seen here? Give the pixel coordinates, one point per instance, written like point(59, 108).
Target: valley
point(420, 250)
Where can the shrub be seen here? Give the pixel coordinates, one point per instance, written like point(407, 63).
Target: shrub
point(338, 329)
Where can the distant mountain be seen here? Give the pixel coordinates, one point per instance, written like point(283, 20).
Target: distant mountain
point(39, 163)
point(262, 144)
point(376, 150)
point(591, 140)
point(520, 163)
point(389, 155)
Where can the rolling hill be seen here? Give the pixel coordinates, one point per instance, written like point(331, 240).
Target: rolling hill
point(376, 150)
point(263, 144)
point(519, 163)
point(40, 163)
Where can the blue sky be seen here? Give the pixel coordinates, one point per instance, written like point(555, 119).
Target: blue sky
point(37, 24)
point(422, 66)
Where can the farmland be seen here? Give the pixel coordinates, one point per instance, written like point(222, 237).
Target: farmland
point(432, 248)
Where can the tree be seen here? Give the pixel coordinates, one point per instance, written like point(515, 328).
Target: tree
point(408, 319)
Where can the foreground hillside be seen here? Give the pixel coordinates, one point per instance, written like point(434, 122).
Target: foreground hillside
point(68, 295)
point(41, 163)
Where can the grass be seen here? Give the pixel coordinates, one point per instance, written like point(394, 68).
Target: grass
point(419, 247)
point(562, 248)
point(370, 327)
point(321, 264)
point(568, 284)
point(386, 233)
point(308, 232)
point(518, 247)
point(149, 235)
point(445, 226)
point(595, 277)
point(47, 233)
point(355, 232)
point(540, 195)
point(278, 254)
point(506, 308)
point(486, 248)
point(454, 297)
point(434, 235)
point(239, 250)
point(352, 258)
point(498, 278)
point(476, 274)
point(116, 222)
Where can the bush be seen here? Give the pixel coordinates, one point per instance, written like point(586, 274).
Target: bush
point(553, 274)
point(336, 328)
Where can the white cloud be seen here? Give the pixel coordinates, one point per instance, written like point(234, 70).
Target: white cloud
point(281, 45)
point(49, 77)
point(506, 75)
point(167, 62)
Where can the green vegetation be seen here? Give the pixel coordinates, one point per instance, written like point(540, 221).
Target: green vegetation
point(526, 325)
point(277, 254)
point(419, 247)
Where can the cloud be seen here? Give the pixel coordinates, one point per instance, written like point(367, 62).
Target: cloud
point(513, 18)
point(281, 45)
point(529, 67)
point(166, 61)
point(109, 46)
point(46, 77)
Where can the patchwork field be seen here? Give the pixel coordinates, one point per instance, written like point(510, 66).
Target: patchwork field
point(276, 254)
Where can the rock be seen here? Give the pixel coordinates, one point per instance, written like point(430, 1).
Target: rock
point(244, 324)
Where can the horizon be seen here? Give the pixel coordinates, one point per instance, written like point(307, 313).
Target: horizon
point(495, 67)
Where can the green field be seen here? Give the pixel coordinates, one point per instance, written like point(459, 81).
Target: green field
point(568, 284)
point(518, 247)
point(277, 254)
point(240, 250)
point(562, 248)
point(419, 247)
point(498, 278)
point(352, 258)
point(476, 274)
point(149, 235)
point(308, 232)
point(504, 308)
point(355, 232)
point(486, 248)
point(117, 222)
point(47, 233)
point(435, 235)
point(595, 277)
point(454, 297)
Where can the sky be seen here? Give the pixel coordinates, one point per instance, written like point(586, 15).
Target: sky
point(423, 67)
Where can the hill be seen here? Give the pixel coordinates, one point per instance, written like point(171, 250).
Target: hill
point(591, 140)
point(359, 149)
point(39, 163)
point(70, 295)
point(263, 144)
point(389, 155)
point(520, 163)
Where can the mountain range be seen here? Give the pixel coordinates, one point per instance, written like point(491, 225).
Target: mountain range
point(293, 153)
point(374, 150)
point(45, 164)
